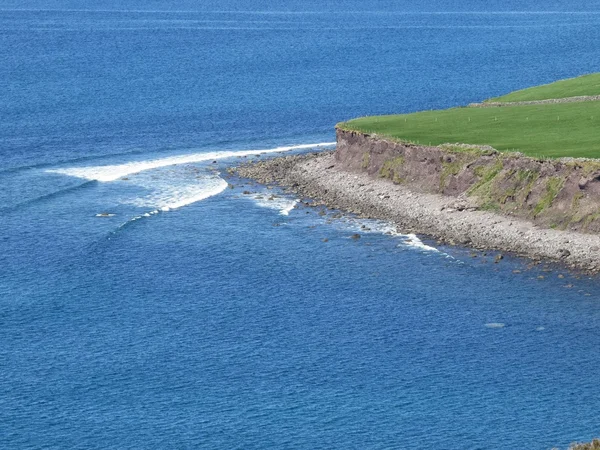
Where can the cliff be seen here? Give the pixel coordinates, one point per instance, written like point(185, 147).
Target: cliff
point(552, 193)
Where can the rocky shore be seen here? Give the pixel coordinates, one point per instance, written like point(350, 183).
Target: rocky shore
point(452, 219)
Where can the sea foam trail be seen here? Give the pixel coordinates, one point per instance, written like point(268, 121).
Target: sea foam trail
point(414, 241)
point(168, 200)
point(382, 227)
point(167, 197)
point(116, 171)
point(282, 204)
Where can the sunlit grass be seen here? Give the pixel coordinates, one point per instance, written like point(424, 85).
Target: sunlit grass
point(551, 130)
point(573, 87)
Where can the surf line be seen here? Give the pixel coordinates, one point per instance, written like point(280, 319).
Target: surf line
point(114, 172)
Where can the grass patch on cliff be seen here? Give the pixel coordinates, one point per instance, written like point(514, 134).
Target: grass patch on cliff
point(391, 168)
point(553, 187)
point(572, 87)
point(448, 169)
point(550, 130)
point(484, 187)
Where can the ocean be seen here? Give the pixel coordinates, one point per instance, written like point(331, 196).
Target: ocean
point(147, 302)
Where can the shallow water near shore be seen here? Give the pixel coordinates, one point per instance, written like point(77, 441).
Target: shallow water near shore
point(147, 301)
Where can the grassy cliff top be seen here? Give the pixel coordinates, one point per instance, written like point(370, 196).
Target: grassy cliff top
point(573, 87)
point(542, 130)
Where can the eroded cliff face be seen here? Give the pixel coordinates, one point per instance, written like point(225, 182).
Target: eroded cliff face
point(562, 194)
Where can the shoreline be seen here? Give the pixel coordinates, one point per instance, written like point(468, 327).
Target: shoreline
point(446, 218)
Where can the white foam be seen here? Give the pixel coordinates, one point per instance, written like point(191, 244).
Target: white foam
point(115, 172)
point(413, 241)
point(287, 209)
point(381, 227)
point(282, 204)
point(165, 196)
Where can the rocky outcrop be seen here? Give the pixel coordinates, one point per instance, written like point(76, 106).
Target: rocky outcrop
point(447, 218)
point(561, 194)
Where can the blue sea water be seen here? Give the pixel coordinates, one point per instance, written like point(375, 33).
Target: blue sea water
point(190, 315)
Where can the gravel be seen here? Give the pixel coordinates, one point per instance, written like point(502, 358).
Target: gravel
point(450, 219)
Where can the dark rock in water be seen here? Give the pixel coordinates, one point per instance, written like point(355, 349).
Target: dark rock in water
point(498, 258)
point(355, 236)
point(230, 186)
point(321, 213)
point(325, 240)
point(246, 192)
point(564, 253)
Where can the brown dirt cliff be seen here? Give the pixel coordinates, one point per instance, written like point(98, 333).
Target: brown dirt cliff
point(561, 193)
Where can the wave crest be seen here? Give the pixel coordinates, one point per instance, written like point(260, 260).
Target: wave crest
point(116, 171)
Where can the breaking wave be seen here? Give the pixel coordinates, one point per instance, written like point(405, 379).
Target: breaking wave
point(116, 171)
point(165, 197)
point(282, 204)
point(368, 226)
point(163, 184)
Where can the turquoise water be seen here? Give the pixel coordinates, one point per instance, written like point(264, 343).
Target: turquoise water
point(144, 304)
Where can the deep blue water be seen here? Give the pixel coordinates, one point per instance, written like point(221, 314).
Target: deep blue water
point(196, 316)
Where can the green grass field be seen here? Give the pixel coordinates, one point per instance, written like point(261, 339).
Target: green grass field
point(573, 87)
point(549, 130)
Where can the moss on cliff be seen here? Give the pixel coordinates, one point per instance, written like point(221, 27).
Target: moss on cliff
point(553, 187)
point(366, 160)
point(449, 168)
point(391, 168)
point(486, 174)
